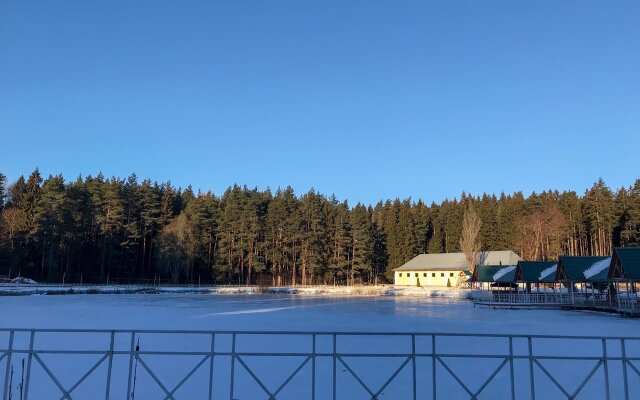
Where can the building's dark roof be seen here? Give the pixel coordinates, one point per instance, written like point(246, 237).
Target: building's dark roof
point(496, 273)
point(457, 261)
point(531, 271)
point(625, 263)
point(583, 269)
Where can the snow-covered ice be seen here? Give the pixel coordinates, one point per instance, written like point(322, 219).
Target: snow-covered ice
point(292, 312)
point(304, 313)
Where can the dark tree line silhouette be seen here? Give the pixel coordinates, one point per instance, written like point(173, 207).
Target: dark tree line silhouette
point(96, 229)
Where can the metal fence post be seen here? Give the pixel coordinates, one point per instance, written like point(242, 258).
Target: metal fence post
point(109, 368)
point(313, 369)
point(533, 386)
point(233, 367)
point(573, 301)
point(513, 386)
point(433, 366)
point(29, 359)
point(413, 362)
point(334, 367)
point(624, 369)
point(132, 349)
point(7, 374)
point(606, 368)
point(213, 348)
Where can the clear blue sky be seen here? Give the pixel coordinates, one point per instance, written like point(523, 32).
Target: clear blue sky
point(364, 99)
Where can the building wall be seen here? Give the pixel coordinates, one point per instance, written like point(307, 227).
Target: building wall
point(426, 278)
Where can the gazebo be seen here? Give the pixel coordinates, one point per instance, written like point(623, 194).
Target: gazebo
point(624, 272)
point(589, 273)
point(537, 273)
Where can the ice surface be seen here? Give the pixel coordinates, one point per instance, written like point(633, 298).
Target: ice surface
point(292, 312)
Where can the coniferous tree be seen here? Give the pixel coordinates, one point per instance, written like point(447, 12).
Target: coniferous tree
point(341, 242)
point(110, 219)
point(51, 208)
point(599, 218)
point(314, 234)
point(362, 250)
point(438, 220)
point(629, 217)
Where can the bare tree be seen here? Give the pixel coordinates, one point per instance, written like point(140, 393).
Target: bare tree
point(469, 239)
point(9, 222)
point(540, 236)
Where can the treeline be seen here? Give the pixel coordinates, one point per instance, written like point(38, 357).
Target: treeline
point(96, 230)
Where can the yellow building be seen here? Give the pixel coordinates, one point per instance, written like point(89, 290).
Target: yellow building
point(447, 269)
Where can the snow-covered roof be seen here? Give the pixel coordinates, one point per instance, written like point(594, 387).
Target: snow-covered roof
point(495, 273)
point(583, 268)
point(597, 267)
point(502, 272)
point(457, 261)
point(551, 270)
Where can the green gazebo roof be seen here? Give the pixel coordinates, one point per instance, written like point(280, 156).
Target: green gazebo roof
point(496, 273)
point(531, 271)
point(583, 269)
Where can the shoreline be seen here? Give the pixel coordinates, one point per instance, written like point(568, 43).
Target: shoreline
point(389, 290)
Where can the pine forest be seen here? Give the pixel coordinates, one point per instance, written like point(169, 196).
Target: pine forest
point(99, 230)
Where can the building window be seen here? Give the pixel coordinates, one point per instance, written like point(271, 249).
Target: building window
point(433, 274)
point(442, 275)
point(451, 274)
point(400, 275)
point(424, 275)
point(416, 274)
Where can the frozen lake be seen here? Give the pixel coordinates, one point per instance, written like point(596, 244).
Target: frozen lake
point(280, 312)
point(308, 314)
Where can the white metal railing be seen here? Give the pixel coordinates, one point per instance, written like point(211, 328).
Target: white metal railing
point(127, 364)
point(622, 301)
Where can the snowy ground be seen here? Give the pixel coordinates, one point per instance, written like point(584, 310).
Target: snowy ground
point(309, 313)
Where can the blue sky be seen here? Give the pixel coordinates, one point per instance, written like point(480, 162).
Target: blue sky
point(364, 99)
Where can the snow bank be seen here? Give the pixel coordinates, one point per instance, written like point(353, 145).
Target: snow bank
point(25, 281)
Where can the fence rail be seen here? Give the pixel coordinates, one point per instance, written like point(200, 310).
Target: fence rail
point(48, 363)
point(623, 302)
